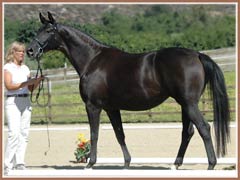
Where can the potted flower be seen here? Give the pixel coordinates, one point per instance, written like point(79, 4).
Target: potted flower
point(82, 151)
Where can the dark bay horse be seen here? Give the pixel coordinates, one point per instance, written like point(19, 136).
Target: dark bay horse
point(113, 80)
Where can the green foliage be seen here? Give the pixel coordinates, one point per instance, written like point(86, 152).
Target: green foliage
point(160, 26)
point(10, 30)
point(27, 31)
point(54, 59)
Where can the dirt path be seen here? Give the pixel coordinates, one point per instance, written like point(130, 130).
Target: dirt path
point(143, 142)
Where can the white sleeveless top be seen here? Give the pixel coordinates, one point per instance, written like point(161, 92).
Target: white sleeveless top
point(19, 74)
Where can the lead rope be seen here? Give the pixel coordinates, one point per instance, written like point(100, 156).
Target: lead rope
point(46, 119)
point(40, 87)
point(44, 105)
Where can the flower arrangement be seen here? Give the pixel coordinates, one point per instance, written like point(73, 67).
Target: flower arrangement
point(82, 151)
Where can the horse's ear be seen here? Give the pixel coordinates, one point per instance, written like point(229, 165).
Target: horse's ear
point(51, 19)
point(43, 19)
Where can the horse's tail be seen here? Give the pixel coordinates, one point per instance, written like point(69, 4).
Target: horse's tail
point(217, 87)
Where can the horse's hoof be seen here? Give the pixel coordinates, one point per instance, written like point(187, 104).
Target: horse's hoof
point(89, 166)
point(126, 165)
point(174, 167)
point(211, 167)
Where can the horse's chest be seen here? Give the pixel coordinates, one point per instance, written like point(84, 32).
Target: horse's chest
point(93, 88)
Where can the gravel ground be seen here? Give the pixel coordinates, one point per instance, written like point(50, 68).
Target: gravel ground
point(141, 142)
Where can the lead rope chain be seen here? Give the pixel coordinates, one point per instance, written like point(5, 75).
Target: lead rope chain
point(46, 119)
point(44, 105)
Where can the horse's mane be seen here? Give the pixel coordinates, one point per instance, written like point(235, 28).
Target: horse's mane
point(86, 37)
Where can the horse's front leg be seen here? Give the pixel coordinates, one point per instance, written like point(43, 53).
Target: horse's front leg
point(94, 120)
point(116, 121)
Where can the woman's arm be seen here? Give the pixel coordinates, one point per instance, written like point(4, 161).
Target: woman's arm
point(10, 86)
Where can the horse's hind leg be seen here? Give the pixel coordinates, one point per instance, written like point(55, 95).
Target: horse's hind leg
point(195, 116)
point(187, 134)
point(94, 120)
point(115, 118)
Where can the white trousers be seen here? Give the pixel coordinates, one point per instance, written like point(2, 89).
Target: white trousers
point(18, 112)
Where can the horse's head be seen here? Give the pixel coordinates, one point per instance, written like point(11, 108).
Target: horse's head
point(47, 37)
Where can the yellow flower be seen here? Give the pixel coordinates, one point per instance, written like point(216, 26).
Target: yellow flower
point(82, 138)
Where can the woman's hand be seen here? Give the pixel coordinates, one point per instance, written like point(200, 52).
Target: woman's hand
point(34, 82)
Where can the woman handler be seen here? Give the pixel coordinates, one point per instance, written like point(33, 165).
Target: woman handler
point(17, 105)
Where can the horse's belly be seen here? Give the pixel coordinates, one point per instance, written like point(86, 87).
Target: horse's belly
point(135, 104)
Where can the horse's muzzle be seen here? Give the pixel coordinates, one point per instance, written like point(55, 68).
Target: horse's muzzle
point(30, 52)
point(32, 55)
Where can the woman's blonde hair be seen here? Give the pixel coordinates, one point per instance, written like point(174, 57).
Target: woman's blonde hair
point(15, 46)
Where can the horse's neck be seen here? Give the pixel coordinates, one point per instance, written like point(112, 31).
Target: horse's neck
point(78, 47)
